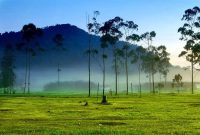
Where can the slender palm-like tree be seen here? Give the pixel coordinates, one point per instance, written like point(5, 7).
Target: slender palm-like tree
point(190, 34)
point(91, 51)
point(30, 32)
point(110, 35)
point(58, 39)
point(130, 54)
point(140, 52)
point(117, 65)
point(128, 28)
point(149, 64)
point(164, 63)
point(147, 38)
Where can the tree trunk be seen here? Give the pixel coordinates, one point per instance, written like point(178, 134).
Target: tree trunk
point(116, 75)
point(97, 91)
point(132, 88)
point(104, 97)
point(58, 75)
point(140, 89)
point(26, 71)
point(192, 72)
point(29, 70)
point(192, 76)
point(126, 64)
point(89, 67)
point(150, 87)
point(159, 86)
point(104, 72)
point(165, 80)
point(104, 100)
point(153, 83)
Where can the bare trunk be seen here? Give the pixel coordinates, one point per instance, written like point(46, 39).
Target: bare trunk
point(115, 69)
point(150, 87)
point(165, 80)
point(159, 86)
point(97, 91)
point(89, 67)
point(58, 75)
point(152, 75)
point(132, 88)
point(153, 83)
point(29, 70)
point(116, 75)
point(126, 64)
point(26, 71)
point(140, 89)
point(104, 72)
point(192, 77)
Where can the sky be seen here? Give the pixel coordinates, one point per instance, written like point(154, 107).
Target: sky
point(162, 16)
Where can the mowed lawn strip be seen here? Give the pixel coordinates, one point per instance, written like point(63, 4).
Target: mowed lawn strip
point(151, 114)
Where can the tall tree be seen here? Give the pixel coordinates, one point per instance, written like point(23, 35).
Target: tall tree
point(149, 64)
point(156, 59)
point(58, 39)
point(147, 38)
point(177, 81)
point(30, 33)
point(110, 35)
point(91, 51)
point(7, 72)
point(118, 63)
point(190, 33)
point(128, 27)
point(164, 63)
point(140, 53)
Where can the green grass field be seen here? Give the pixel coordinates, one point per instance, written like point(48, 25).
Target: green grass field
point(60, 115)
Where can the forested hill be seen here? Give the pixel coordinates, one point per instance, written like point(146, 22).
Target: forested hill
point(75, 42)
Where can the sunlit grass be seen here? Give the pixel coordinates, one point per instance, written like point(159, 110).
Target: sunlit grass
point(55, 114)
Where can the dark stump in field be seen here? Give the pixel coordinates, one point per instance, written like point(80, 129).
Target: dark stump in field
point(86, 104)
point(104, 100)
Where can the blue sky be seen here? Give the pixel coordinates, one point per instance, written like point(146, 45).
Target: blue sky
point(163, 16)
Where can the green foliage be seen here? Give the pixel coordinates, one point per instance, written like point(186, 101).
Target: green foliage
point(7, 75)
point(30, 33)
point(190, 34)
point(177, 81)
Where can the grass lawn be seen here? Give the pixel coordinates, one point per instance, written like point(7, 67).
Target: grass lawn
point(60, 115)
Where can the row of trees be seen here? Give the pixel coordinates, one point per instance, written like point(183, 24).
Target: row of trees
point(191, 35)
point(7, 75)
point(151, 60)
point(29, 46)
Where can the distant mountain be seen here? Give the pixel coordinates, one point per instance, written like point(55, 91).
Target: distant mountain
point(75, 41)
